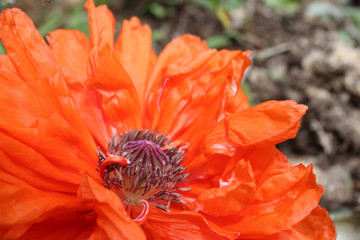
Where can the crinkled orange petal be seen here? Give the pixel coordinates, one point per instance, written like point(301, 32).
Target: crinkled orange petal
point(23, 161)
point(231, 196)
point(70, 229)
point(23, 206)
point(39, 118)
point(6, 63)
point(262, 159)
point(71, 50)
point(182, 55)
point(316, 226)
point(172, 89)
point(269, 214)
point(101, 24)
point(89, 106)
point(105, 70)
point(253, 130)
point(189, 106)
point(42, 82)
point(107, 75)
point(181, 106)
point(271, 122)
point(119, 97)
point(182, 225)
point(31, 56)
point(133, 48)
point(33, 132)
point(112, 220)
point(235, 98)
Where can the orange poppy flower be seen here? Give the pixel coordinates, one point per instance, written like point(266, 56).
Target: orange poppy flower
point(62, 178)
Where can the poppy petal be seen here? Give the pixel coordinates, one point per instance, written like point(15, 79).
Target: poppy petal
point(232, 196)
point(185, 55)
point(118, 94)
point(38, 69)
point(262, 159)
point(269, 214)
point(34, 63)
point(30, 54)
point(60, 229)
point(101, 24)
point(182, 226)
point(316, 226)
point(23, 206)
point(32, 132)
point(112, 219)
point(183, 104)
point(6, 63)
point(235, 98)
point(271, 122)
point(120, 100)
point(71, 50)
point(89, 106)
point(133, 48)
point(182, 55)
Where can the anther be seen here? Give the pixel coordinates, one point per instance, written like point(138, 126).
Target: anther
point(144, 169)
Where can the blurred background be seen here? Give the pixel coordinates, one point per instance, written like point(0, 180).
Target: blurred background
point(306, 50)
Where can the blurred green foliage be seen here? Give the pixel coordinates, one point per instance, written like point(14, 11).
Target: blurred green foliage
point(78, 20)
point(2, 49)
point(74, 18)
point(5, 3)
point(100, 2)
point(221, 8)
point(349, 15)
point(218, 41)
point(245, 87)
point(158, 10)
point(225, 39)
point(287, 6)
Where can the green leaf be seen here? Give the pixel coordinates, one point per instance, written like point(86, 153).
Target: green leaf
point(207, 4)
point(246, 90)
point(287, 6)
point(157, 35)
point(231, 4)
point(101, 2)
point(2, 48)
point(78, 20)
point(345, 37)
point(218, 41)
point(353, 13)
point(5, 4)
point(157, 10)
point(321, 10)
point(52, 22)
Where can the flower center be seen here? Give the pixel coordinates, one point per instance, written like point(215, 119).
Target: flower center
point(143, 169)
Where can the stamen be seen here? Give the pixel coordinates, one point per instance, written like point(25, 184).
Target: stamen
point(114, 160)
point(143, 169)
point(143, 215)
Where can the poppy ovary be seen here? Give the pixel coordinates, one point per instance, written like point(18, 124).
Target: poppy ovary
point(143, 169)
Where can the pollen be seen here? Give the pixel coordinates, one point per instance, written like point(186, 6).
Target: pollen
point(143, 169)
